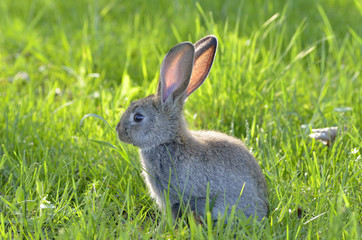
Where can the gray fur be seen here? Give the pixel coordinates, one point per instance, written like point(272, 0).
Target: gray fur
point(182, 163)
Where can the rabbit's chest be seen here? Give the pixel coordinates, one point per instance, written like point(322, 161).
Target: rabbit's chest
point(161, 161)
point(156, 168)
point(160, 170)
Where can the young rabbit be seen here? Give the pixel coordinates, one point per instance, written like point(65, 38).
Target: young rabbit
point(179, 163)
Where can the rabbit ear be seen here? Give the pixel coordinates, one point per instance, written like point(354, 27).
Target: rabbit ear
point(204, 57)
point(176, 71)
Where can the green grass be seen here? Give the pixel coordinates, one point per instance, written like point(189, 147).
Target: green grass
point(282, 68)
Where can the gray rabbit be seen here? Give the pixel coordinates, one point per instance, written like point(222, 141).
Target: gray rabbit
point(180, 164)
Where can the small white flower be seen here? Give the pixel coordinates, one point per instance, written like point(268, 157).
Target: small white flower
point(22, 76)
point(94, 75)
point(96, 94)
point(49, 206)
point(58, 91)
point(354, 151)
point(42, 68)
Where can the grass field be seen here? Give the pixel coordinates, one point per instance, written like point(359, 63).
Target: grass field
point(282, 68)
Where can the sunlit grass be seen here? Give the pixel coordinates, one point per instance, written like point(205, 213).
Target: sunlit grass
point(282, 68)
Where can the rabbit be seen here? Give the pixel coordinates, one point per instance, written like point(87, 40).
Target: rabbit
point(183, 165)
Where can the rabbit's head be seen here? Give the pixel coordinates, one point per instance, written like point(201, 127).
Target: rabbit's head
point(158, 119)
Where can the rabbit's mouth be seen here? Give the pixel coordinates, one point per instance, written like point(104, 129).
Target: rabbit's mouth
point(122, 134)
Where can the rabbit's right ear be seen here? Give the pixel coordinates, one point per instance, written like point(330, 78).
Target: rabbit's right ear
point(204, 57)
point(176, 71)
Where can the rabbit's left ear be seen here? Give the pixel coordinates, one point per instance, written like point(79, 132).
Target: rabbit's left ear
point(205, 50)
point(176, 71)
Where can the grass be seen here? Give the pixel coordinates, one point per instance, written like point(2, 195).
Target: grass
point(282, 68)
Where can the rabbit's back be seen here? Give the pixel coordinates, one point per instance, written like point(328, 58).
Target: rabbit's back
point(236, 167)
point(231, 153)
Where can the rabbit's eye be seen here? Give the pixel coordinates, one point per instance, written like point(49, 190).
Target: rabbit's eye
point(138, 117)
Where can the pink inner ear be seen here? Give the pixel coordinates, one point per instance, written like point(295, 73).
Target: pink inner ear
point(176, 70)
point(201, 69)
point(171, 73)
